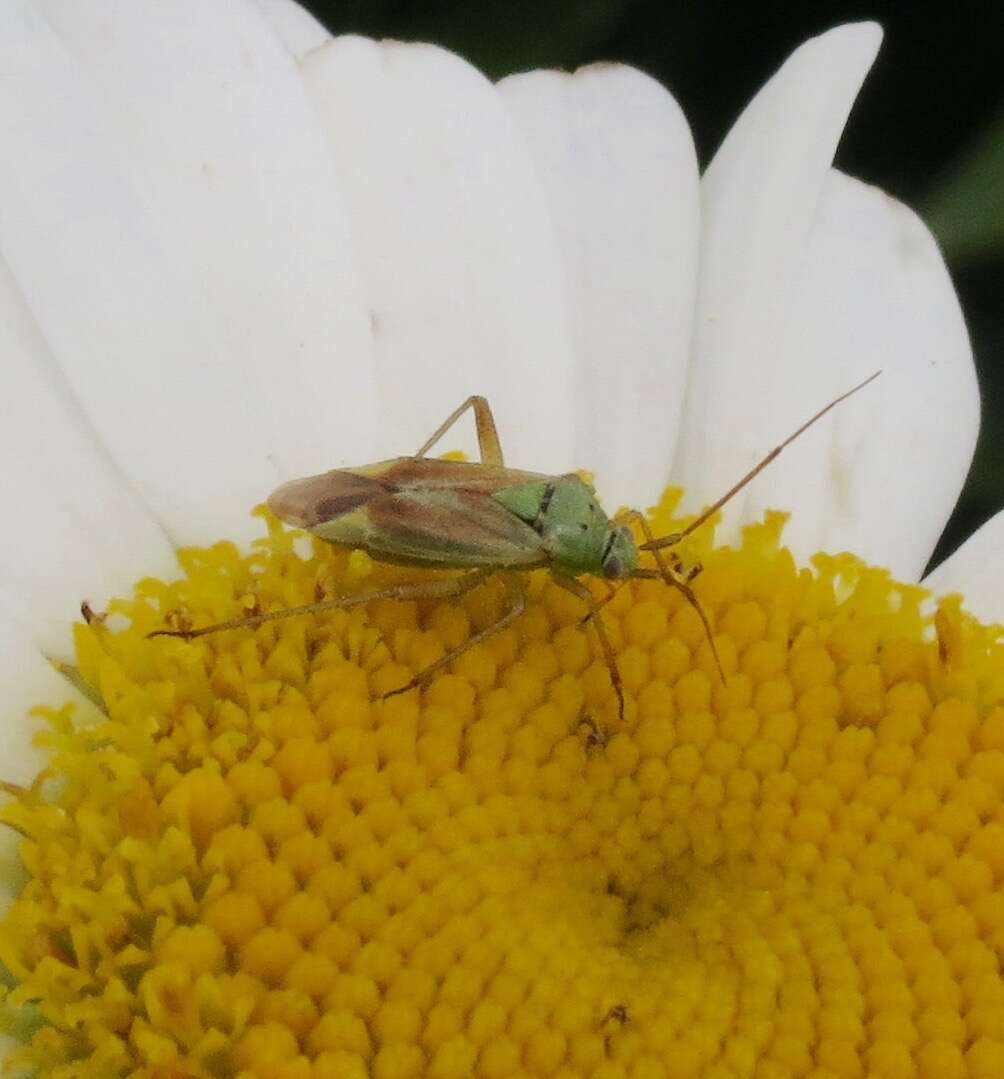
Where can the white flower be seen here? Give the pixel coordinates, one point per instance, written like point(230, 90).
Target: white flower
point(234, 250)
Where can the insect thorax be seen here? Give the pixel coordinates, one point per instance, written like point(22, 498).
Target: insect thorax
point(566, 515)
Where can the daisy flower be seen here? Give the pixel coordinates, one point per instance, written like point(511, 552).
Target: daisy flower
point(234, 251)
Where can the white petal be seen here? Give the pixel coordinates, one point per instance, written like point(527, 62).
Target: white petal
point(617, 159)
point(88, 534)
point(760, 196)
point(880, 475)
point(298, 30)
point(976, 570)
point(460, 256)
point(169, 210)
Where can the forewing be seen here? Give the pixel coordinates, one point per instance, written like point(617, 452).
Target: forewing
point(416, 511)
point(449, 528)
point(434, 474)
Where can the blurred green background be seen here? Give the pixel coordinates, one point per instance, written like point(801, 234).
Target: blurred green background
point(928, 126)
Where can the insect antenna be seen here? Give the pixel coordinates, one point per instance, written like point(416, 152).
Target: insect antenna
point(674, 537)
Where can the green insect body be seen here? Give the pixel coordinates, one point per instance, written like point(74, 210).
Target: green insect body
point(485, 519)
point(462, 515)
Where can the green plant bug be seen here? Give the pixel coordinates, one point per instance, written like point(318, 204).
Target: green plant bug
point(485, 519)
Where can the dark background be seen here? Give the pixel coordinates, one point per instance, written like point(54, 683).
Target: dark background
point(928, 126)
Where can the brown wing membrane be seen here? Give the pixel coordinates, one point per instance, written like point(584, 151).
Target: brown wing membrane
point(311, 501)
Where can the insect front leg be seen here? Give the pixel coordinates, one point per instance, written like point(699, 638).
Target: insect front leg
point(578, 589)
point(488, 438)
point(598, 605)
point(675, 579)
point(517, 600)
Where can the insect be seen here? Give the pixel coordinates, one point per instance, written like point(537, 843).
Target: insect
point(487, 520)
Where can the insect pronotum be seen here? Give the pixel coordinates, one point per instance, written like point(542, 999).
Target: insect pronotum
point(487, 520)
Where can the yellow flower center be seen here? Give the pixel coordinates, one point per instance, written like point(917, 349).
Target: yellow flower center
point(251, 865)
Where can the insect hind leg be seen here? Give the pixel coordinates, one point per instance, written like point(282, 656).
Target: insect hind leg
point(445, 588)
point(488, 438)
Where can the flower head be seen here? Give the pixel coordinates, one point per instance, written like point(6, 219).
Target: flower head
point(253, 865)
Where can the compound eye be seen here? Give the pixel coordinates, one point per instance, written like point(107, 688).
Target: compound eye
point(617, 555)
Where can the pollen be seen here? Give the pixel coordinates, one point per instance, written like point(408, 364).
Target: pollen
point(254, 859)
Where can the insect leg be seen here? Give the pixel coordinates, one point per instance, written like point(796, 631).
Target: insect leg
point(676, 580)
point(599, 604)
point(517, 596)
point(443, 588)
point(488, 437)
point(577, 588)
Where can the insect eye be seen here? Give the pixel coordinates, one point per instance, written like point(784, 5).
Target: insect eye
point(619, 557)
